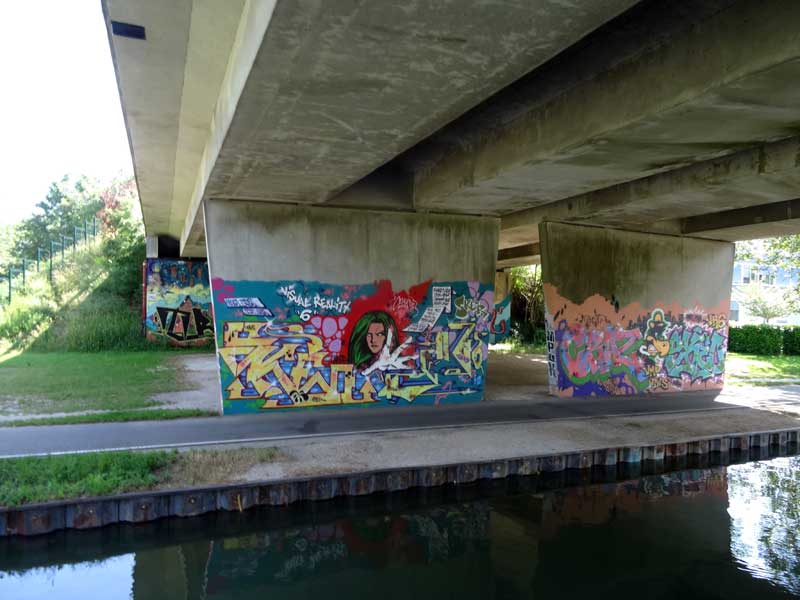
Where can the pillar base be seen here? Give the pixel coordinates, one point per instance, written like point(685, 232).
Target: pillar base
point(631, 313)
point(329, 307)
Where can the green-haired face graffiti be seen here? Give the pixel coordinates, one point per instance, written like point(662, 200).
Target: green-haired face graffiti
point(369, 337)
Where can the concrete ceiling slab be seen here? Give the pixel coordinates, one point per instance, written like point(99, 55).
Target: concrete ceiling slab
point(338, 89)
point(764, 174)
point(682, 88)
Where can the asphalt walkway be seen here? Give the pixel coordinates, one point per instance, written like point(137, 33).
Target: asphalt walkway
point(272, 426)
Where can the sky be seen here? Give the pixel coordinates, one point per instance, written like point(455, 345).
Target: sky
point(59, 103)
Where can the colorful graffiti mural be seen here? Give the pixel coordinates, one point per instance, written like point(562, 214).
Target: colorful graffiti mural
point(501, 321)
point(290, 344)
point(177, 302)
point(599, 348)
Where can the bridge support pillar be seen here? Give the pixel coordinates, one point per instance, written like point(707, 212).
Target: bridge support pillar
point(631, 312)
point(329, 307)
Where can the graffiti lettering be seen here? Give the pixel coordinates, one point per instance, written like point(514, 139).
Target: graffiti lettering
point(696, 352)
point(470, 307)
point(656, 352)
point(318, 302)
point(598, 354)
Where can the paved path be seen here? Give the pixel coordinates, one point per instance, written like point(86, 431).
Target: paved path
point(317, 423)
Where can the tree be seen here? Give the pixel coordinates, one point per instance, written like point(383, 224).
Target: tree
point(7, 233)
point(764, 304)
point(527, 301)
point(68, 204)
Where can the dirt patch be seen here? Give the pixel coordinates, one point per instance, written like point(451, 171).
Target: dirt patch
point(198, 383)
point(205, 467)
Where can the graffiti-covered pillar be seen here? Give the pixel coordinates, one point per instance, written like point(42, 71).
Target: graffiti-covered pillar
point(333, 307)
point(631, 312)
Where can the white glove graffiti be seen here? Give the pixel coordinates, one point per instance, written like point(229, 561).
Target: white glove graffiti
point(391, 360)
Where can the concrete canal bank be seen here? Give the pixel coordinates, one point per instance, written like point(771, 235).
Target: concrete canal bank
point(577, 450)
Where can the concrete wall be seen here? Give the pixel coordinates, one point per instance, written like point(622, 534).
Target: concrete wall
point(330, 307)
point(633, 312)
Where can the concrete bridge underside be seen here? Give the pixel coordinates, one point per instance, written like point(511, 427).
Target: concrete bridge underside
point(669, 119)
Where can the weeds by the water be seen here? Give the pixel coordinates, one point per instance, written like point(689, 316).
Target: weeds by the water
point(41, 479)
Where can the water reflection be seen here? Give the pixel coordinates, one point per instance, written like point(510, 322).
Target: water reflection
point(110, 579)
point(719, 532)
point(764, 506)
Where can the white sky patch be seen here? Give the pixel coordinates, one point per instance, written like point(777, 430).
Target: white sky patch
point(60, 102)
point(110, 579)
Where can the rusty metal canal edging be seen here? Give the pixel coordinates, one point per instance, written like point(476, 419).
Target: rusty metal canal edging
point(631, 461)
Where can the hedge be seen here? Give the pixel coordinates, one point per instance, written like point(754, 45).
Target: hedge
point(791, 341)
point(764, 339)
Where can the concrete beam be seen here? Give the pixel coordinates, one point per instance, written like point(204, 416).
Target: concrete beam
point(255, 18)
point(527, 254)
point(765, 173)
point(169, 84)
point(778, 218)
point(664, 85)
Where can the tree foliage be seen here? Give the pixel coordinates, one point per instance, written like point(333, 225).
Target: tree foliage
point(527, 302)
point(764, 303)
point(69, 203)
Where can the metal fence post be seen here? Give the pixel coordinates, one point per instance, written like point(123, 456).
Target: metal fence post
point(52, 243)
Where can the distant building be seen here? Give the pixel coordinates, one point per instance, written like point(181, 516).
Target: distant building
point(777, 280)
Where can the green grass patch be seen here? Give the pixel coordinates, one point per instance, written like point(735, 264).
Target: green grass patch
point(47, 478)
point(117, 416)
point(760, 370)
point(40, 479)
point(73, 381)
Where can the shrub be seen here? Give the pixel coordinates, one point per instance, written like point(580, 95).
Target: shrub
point(791, 341)
point(756, 339)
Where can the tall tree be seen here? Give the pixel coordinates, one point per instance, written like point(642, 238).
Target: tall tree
point(69, 203)
point(765, 304)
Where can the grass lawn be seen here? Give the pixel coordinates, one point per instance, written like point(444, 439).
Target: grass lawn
point(74, 381)
point(41, 479)
point(761, 370)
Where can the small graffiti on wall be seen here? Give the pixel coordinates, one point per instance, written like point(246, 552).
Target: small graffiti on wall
point(501, 321)
point(291, 344)
point(178, 302)
point(598, 348)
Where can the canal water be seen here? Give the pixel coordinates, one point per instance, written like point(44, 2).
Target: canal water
point(721, 532)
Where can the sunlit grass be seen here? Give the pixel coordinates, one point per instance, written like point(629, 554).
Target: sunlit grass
point(35, 382)
point(761, 370)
